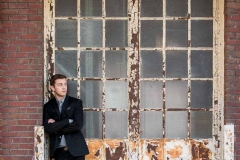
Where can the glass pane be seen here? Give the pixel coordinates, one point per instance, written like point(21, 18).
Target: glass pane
point(151, 125)
point(176, 124)
point(91, 63)
point(116, 8)
point(116, 124)
point(116, 33)
point(176, 33)
point(151, 8)
point(72, 88)
point(151, 64)
point(91, 33)
point(116, 94)
point(66, 33)
point(202, 34)
point(151, 33)
point(178, 8)
point(151, 94)
point(67, 8)
point(201, 94)
point(116, 64)
point(201, 124)
point(176, 64)
point(202, 8)
point(201, 64)
point(91, 8)
point(91, 93)
point(92, 124)
point(176, 94)
point(66, 63)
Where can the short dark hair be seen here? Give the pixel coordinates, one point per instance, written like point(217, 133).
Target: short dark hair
point(55, 77)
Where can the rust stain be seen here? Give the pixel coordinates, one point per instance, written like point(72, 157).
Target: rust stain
point(152, 149)
point(95, 148)
point(175, 152)
point(115, 150)
point(200, 151)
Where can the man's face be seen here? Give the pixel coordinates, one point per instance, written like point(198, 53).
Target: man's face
point(60, 88)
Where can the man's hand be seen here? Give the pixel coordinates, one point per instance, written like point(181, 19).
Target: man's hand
point(51, 121)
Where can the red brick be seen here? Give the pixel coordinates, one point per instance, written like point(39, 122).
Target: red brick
point(18, 55)
point(4, 17)
point(3, 5)
point(9, 97)
point(18, 18)
point(36, 18)
point(9, 48)
point(23, 61)
point(27, 49)
point(19, 79)
point(27, 110)
point(18, 152)
point(17, 128)
point(233, 5)
point(18, 104)
point(36, 30)
point(18, 67)
point(25, 146)
point(27, 97)
point(29, 36)
point(27, 73)
point(27, 122)
point(10, 24)
point(9, 36)
point(35, 5)
point(18, 42)
point(28, 85)
point(10, 73)
point(27, 24)
point(27, 11)
point(8, 60)
point(18, 30)
point(18, 5)
point(8, 11)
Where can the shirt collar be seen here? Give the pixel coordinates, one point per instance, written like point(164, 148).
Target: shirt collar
point(60, 102)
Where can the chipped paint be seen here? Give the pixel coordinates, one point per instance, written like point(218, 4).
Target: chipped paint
point(135, 148)
point(38, 143)
point(96, 150)
point(229, 142)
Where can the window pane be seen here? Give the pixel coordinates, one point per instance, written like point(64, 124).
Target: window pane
point(151, 64)
point(151, 125)
point(151, 94)
point(202, 34)
point(65, 8)
point(176, 124)
point(91, 33)
point(66, 33)
point(178, 8)
point(176, 64)
point(91, 93)
point(201, 124)
point(92, 124)
point(176, 94)
point(201, 64)
point(201, 94)
point(91, 63)
point(151, 8)
point(72, 88)
point(91, 8)
point(116, 94)
point(116, 33)
point(116, 64)
point(202, 8)
point(116, 124)
point(151, 33)
point(176, 33)
point(116, 8)
point(66, 63)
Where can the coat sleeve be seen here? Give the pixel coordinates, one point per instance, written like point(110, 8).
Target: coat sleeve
point(52, 128)
point(77, 123)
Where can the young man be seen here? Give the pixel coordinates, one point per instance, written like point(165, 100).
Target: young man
point(63, 121)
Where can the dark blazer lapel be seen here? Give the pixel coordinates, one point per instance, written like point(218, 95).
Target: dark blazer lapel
point(64, 105)
point(55, 105)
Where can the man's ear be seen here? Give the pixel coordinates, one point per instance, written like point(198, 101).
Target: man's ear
point(52, 88)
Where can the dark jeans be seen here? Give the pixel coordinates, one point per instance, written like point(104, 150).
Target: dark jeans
point(61, 154)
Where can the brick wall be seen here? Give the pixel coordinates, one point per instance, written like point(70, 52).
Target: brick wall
point(21, 49)
point(232, 68)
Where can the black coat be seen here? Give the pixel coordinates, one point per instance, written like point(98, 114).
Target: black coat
point(71, 109)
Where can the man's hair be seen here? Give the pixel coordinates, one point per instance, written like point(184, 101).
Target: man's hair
point(55, 77)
